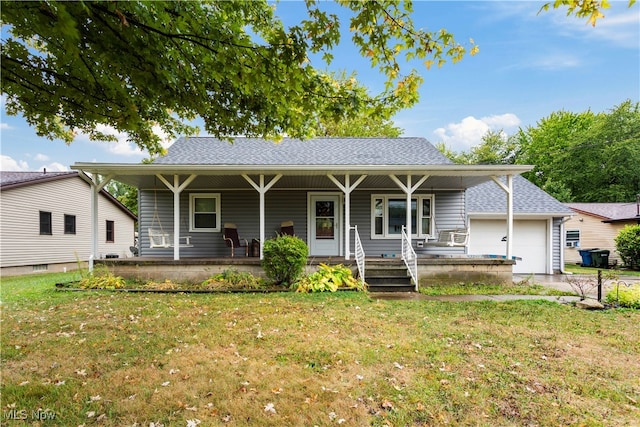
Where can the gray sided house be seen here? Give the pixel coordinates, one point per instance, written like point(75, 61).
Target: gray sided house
point(327, 187)
point(538, 225)
point(46, 222)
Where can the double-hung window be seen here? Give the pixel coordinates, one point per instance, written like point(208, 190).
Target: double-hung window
point(46, 227)
point(389, 214)
point(110, 227)
point(69, 224)
point(204, 212)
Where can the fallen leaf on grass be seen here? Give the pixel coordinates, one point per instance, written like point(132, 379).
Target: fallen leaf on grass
point(269, 407)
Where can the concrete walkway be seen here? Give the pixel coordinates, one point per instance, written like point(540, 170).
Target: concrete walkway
point(555, 281)
point(415, 296)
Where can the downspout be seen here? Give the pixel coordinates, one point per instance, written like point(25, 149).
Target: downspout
point(96, 186)
point(563, 241)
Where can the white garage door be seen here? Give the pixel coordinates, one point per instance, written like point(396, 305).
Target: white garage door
point(529, 242)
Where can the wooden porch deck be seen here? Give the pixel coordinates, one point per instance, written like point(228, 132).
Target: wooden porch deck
point(431, 268)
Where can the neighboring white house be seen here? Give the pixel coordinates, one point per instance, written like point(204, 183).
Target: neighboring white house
point(45, 222)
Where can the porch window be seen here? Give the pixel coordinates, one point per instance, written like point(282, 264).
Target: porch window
point(572, 238)
point(45, 223)
point(389, 214)
point(204, 212)
point(111, 232)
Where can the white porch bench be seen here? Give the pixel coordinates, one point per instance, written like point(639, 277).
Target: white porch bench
point(454, 237)
point(161, 239)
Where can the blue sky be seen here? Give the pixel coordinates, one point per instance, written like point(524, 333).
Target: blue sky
point(529, 66)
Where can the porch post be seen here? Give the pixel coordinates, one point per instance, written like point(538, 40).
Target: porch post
point(262, 189)
point(409, 190)
point(509, 216)
point(176, 189)
point(96, 186)
point(508, 188)
point(347, 188)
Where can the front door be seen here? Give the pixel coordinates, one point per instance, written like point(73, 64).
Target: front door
point(324, 224)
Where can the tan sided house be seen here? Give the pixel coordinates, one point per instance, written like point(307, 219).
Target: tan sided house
point(595, 225)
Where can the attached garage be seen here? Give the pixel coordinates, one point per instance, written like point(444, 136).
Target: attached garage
point(531, 242)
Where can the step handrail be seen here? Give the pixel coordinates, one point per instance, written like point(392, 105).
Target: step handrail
point(409, 257)
point(359, 253)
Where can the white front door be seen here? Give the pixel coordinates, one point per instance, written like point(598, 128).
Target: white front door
point(325, 213)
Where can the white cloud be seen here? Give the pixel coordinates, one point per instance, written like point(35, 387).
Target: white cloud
point(41, 157)
point(620, 26)
point(5, 126)
point(124, 147)
point(469, 132)
point(9, 164)
point(54, 167)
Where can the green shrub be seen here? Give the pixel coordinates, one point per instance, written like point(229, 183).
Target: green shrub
point(284, 258)
point(329, 278)
point(628, 245)
point(624, 296)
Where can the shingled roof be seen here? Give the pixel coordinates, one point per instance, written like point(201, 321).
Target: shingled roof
point(488, 197)
point(10, 179)
point(295, 152)
point(608, 212)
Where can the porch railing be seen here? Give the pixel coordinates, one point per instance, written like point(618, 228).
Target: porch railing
point(359, 253)
point(409, 257)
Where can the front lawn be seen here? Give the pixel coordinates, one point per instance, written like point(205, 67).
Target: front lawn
point(118, 359)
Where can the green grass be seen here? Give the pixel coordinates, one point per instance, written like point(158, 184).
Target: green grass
point(112, 359)
point(489, 289)
point(577, 269)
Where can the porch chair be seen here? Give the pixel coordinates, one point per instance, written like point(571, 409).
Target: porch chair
point(232, 240)
point(286, 228)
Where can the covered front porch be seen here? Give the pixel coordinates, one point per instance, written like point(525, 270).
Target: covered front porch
point(430, 268)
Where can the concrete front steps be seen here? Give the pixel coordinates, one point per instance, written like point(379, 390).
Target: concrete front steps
point(388, 276)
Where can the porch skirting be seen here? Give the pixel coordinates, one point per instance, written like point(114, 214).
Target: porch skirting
point(431, 269)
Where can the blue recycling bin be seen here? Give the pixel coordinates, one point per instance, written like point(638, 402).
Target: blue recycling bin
point(587, 259)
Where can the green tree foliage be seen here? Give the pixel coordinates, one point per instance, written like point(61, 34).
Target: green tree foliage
point(70, 66)
point(126, 194)
point(628, 245)
point(586, 157)
point(134, 65)
point(583, 157)
point(496, 148)
point(543, 145)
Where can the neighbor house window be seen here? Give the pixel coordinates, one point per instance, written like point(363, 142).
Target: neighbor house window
point(111, 233)
point(573, 238)
point(45, 223)
point(204, 212)
point(389, 214)
point(69, 224)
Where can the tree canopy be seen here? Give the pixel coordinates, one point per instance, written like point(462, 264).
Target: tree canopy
point(81, 66)
point(581, 157)
point(69, 66)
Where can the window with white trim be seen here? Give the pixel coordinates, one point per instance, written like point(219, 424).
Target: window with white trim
point(204, 212)
point(389, 214)
point(572, 238)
